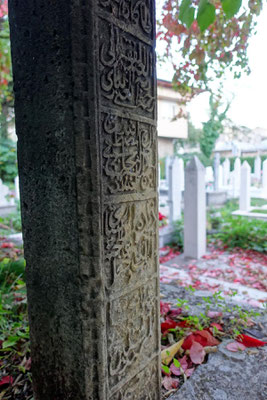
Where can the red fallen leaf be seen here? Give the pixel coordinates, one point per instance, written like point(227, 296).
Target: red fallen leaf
point(183, 324)
point(174, 312)
point(184, 365)
point(202, 337)
point(175, 370)
point(197, 353)
point(218, 326)
point(7, 245)
point(164, 307)
point(189, 340)
point(183, 362)
point(6, 380)
point(235, 346)
point(189, 372)
point(214, 314)
point(249, 341)
point(170, 383)
point(211, 341)
point(168, 324)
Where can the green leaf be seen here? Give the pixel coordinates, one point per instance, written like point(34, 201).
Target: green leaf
point(187, 13)
point(165, 368)
point(8, 343)
point(206, 14)
point(176, 363)
point(231, 7)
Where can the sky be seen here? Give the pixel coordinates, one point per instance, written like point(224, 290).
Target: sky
point(249, 106)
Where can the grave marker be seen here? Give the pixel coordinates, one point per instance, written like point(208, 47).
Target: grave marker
point(194, 210)
point(245, 181)
point(257, 168)
point(85, 105)
point(226, 172)
point(236, 177)
point(175, 193)
point(264, 178)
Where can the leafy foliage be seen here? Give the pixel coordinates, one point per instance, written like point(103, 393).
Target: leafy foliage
point(178, 234)
point(204, 38)
point(213, 127)
point(5, 57)
point(8, 160)
point(232, 231)
point(15, 359)
point(11, 223)
point(236, 231)
point(244, 233)
point(192, 140)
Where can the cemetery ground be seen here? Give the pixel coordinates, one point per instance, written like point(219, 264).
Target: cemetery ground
point(213, 318)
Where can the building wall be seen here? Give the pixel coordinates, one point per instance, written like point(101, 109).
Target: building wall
point(165, 147)
point(169, 107)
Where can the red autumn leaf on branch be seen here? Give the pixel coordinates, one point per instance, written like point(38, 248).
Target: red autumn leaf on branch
point(249, 341)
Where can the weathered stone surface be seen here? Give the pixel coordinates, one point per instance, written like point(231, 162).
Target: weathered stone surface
point(230, 379)
point(226, 375)
point(245, 182)
point(175, 190)
point(264, 177)
point(85, 94)
point(194, 210)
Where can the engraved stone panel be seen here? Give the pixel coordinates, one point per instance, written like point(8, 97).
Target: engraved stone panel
point(130, 243)
point(144, 386)
point(131, 326)
point(134, 13)
point(126, 71)
point(128, 158)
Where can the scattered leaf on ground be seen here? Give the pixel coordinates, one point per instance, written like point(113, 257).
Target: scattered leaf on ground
point(197, 353)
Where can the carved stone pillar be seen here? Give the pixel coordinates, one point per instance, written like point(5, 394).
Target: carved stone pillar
point(85, 103)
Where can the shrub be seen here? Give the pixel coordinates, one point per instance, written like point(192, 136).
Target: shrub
point(178, 234)
point(242, 232)
point(8, 160)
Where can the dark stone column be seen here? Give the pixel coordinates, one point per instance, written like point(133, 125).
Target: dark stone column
point(85, 104)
